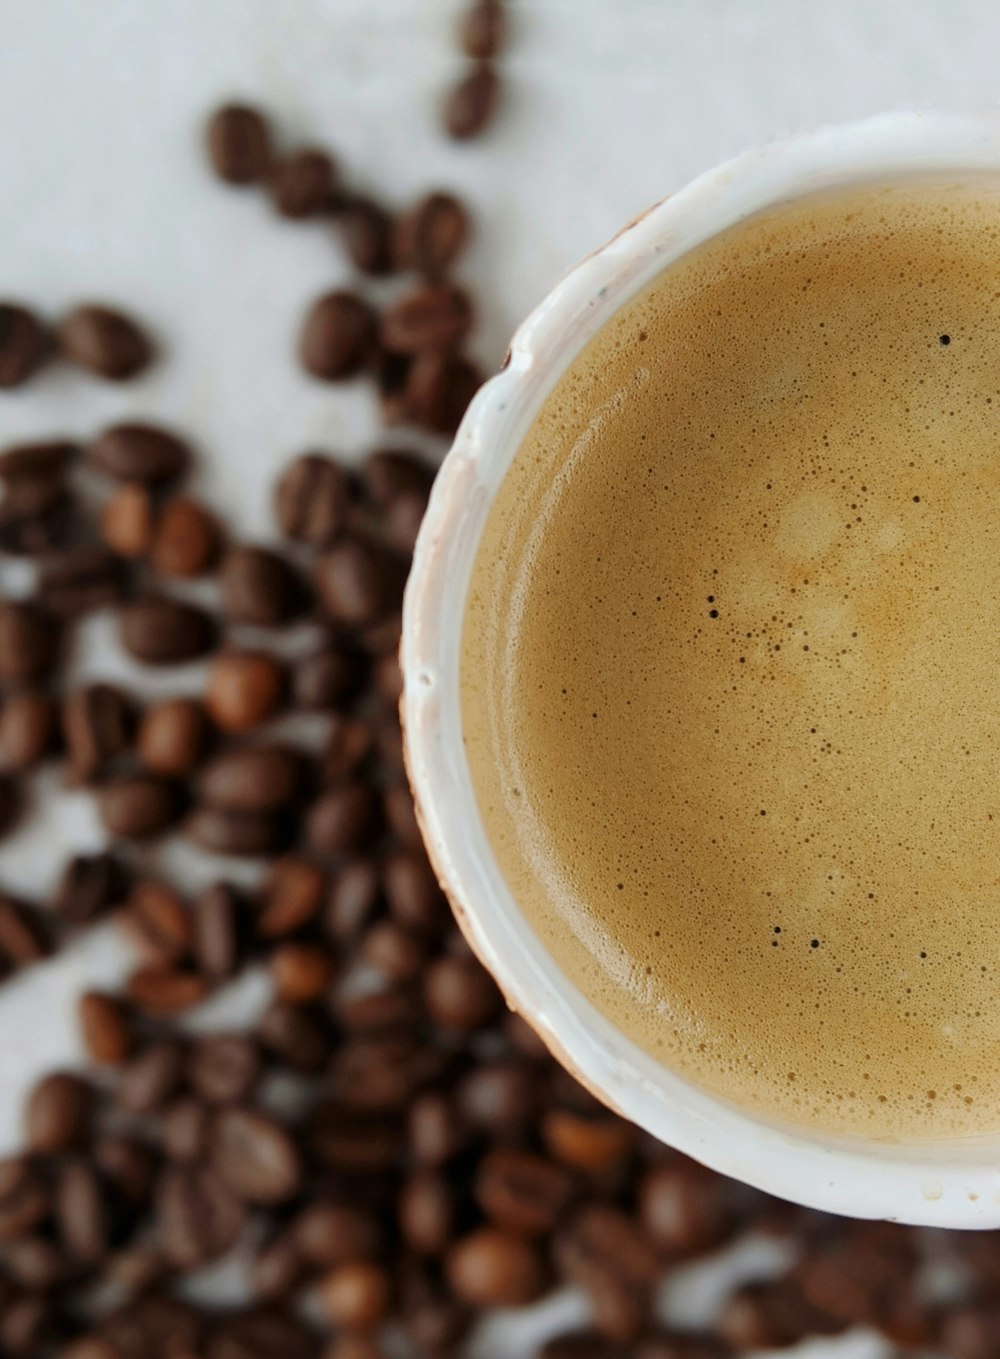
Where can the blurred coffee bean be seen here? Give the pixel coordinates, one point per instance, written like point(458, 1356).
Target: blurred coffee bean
point(412, 893)
point(431, 235)
point(240, 835)
point(460, 994)
point(431, 318)
point(434, 1130)
point(427, 1212)
point(605, 1254)
point(76, 581)
point(259, 587)
point(500, 1097)
point(359, 582)
point(133, 452)
point(163, 991)
point(295, 1035)
point(255, 1156)
point(161, 631)
point(438, 389)
point(770, 1315)
point(523, 1192)
point(97, 723)
point(590, 1142)
point(105, 342)
point(971, 1331)
point(483, 29)
point(24, 936)
point(24, 345)
point(26, 1325)
point(42, 460)
point(326, 677)
point(302, 183)
point(337, 336)
point(217, 913)
point(683, 1207)
point(493, 1268)
point(251, 779)
point(185, 541)
point(244, 689)
point(90, 885)
point(158, 922)
point(223, 1068)
point(328, 1234)
point(29, 639)
point(127, 520)
point(342, 819)
point(276, 1268)
point(172, 736)
point(311, 500)
point(292, 896)
point(366, 232)
point(300, 972)
point(394, 952)
point(105, 1028)
point(137, 806)
point(364, 1001)
point(37, 516)
point(24, 1198)
point(198, 1217)
point(80, 1211)
point(403, 517)
point(352, 899)
point(27, 728)
point(127, 1164)
point(151, 1077)
point(36, 1263)
point(390, 472)
point(355, 1296)
point(58, 1113)
point(239, 144)
point(471, 104)
point(184, 1129)
point(348, 745)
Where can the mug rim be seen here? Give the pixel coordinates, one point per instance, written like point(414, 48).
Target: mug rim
point(953, 1183)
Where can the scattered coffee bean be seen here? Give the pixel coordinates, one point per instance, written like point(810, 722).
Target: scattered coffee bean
point(259, 587)
point(292, 896)
point(76, 581)
point(348, 745)
point(434, 317)
point(127, 520)
point(198, 1217)
point(105, 1028)
point(90, 885)
point(58, 1113)
point(36, 1263)
point(137, 452)
point(24, 345)
point(359, 582)
point(27, 730)
point(158, 922)
point(41, 461)
point(97, 724)
point(342, 819)
point(24, 1198)
point(105, 342)
point(311, 500)
point(276, 1268)
point(80, 1212)
point(244, 689)
point(337, 336)
point(185, 541)
point(431, 236)
point(255, 1157)
point(427, 1213)
point(184, 1127)
point(493, 1268)
point(438, 389)
point(172, 736)
point(683, 1207)
point(137, 806)
point(29, 642)
point(403, 517)
point(37, 516)
point(483, 30)
point(151, 1077)
point(500, 1098)
point(162, 991)
point(160, 631)
point(523, 1192)
point(412, 893)
point(224, 1068)
point(460, 994)
point(588, 1142)
point(352, 900)
point(216, 943)
point(251, 779)
point(239, 144)
point(355, 1296)
point(296, 1035)
point(398, 805)
point(300, 972)
point(237, 834)
point(366, 232)
point(471, 104)
point(302, 183)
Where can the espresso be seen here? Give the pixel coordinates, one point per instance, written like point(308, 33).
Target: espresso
point(731, 665)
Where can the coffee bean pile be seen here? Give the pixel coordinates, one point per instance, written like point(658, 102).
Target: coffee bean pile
point(387, 1153)
point(471, 104)
point(100, 340)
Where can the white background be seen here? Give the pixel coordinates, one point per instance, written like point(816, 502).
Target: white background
point(610, 104)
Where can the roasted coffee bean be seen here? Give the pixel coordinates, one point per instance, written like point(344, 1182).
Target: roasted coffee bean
point(611, 1260)
point(239, 144)
point(160, 631)
point(348, 744)
point(293, 894)
point(438, 389)
point(138, 452)
point(151, 1077)
point(276, 1268)
point(79, 580)
point(312, 499)
point(224, 1067)
point(58, 1113)
point(483, 29)
point(48, 459)
point(492, 1268)
point(300, 972)
point(259, 587)
point(330, 1234)
point(427, 1213)
point(683, 1207)
point(412, 893)
point(172, 736)
point(127, 520)
point(217, 914)
point(431, 236)
point(80, 1212)
point(166, 991)
point(158, 922)
point(27, 729)
point(471, 104)
point(352, 900)
point(433, 1321)
point(24, 1198)
point(184, 1129)
point(366, 232)
point(396, 953)
point(433, 317)
point(105, 342)
point(127, 1164)
point(324, 678)
point(258, 1334)
point(460, 994)
point(24, 345)
point(36, 1263)
point(591, 1142)
point(500, 1097)
point(36, 516)
point(390, 472)
point(359, 582)
point(403, 518)
point(391, 372)
point(137, 806)
point(255, 1156)
point(354, 1143)
point(523, 1192)
point(383, 638)
point(770, 1315)
point(355, 1296)
point(105, 1028)
point(90, 885)
point(251, 779)
point(23, 935)
point(583, 1345)
point(244, 689)
point(240, 835)
point(97, 723)
point(435, 1131)
point(294, 1034)
point(25, 1325)
point(342, 819)
point(302, 183)
point(198, 1217)
point(859, 1274)
point(185, 541)
point(29, 641)
point(337, 336)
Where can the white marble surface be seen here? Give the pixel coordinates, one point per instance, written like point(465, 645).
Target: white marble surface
point(610, 105)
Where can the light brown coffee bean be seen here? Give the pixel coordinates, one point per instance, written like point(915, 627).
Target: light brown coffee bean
point(127, 520)
point(359, 582)
point(460, 994)
point(164, 991)
point(483, 29)
point(523, 1192)
point(255, 1157)
point(292, 896)
point(300, 972)
point(239, 835)
point(172, 736)
point(224, 1067)
point(58, 1113)
point(151, 1077)
point(592, 1143)
point(259, 778)
point(427, 1212)
point(217, 916)
point(27, 730)
point(244, 689)
point(355, 1296)
point(492, 1268)
point(159, 922)
point(105, 1028)
point(185, 541)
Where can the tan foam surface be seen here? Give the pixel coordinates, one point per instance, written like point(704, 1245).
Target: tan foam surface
point(731, 667)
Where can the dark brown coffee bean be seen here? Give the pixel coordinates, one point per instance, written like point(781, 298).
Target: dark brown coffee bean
point(300, 972)
point(433, 1321)
point(348, 745)
point(355, 1296)
point(239, 835)
point(390, 472)
point(293, 894)
point(155, 1325)
point(302, 183)
point(251, 779)
point(366, 232)
point(105, 1028)
point(427, 1213)
point(160, 631)
point(587, 1142)
point(35, 1263)
point(244, 689)
point(342, 819)
point(10, 804)
point(391, 372)
point(431, 236)
point(612, 1261)
point(311, 500)
point(276, 1268)
point(97, 722)
point(412, 893)
point(58, 1113)
point(27, 728)
point(523, 1192)
point(105, 342)
point(294, 1034)
point(460, 994)
point(185, 541)
point(224, 1067)
point(259, 1334)
point(184, 1129)
point(431, 318)
point(152, 1077)
point(259, 587)
point(683, 1207)
point(45, 460)
point(583, 1345)
point(435, 1131)
point(165, 991)
point(255, 1157)
point(471, 103)
point(359, 582)
point(134, 1271)
point(216, 914)
point(337, 336)
point(137, 806)
point(239, 144)
point(90, 885)
point(499, 1097)
point(354, 1143)
point(79, 580)
point(198, 1217)
point(24, 345)
point(36, 516)
point(352, 900)
point(158, 922)
point(138, 452)
point(23, 935)
point(438, 390)
point(172, 736)
point(80, 1212)
point(29, 641)
point(25, 1326)
point(24, 1199)
point(483, 29)
point(492, 1268)
point(330, 1234)
point(127, 1164)
point(396, 953)
point(326, 677)
point(127, 520)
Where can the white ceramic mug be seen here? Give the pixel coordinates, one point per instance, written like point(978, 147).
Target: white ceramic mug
point(955, 1183)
